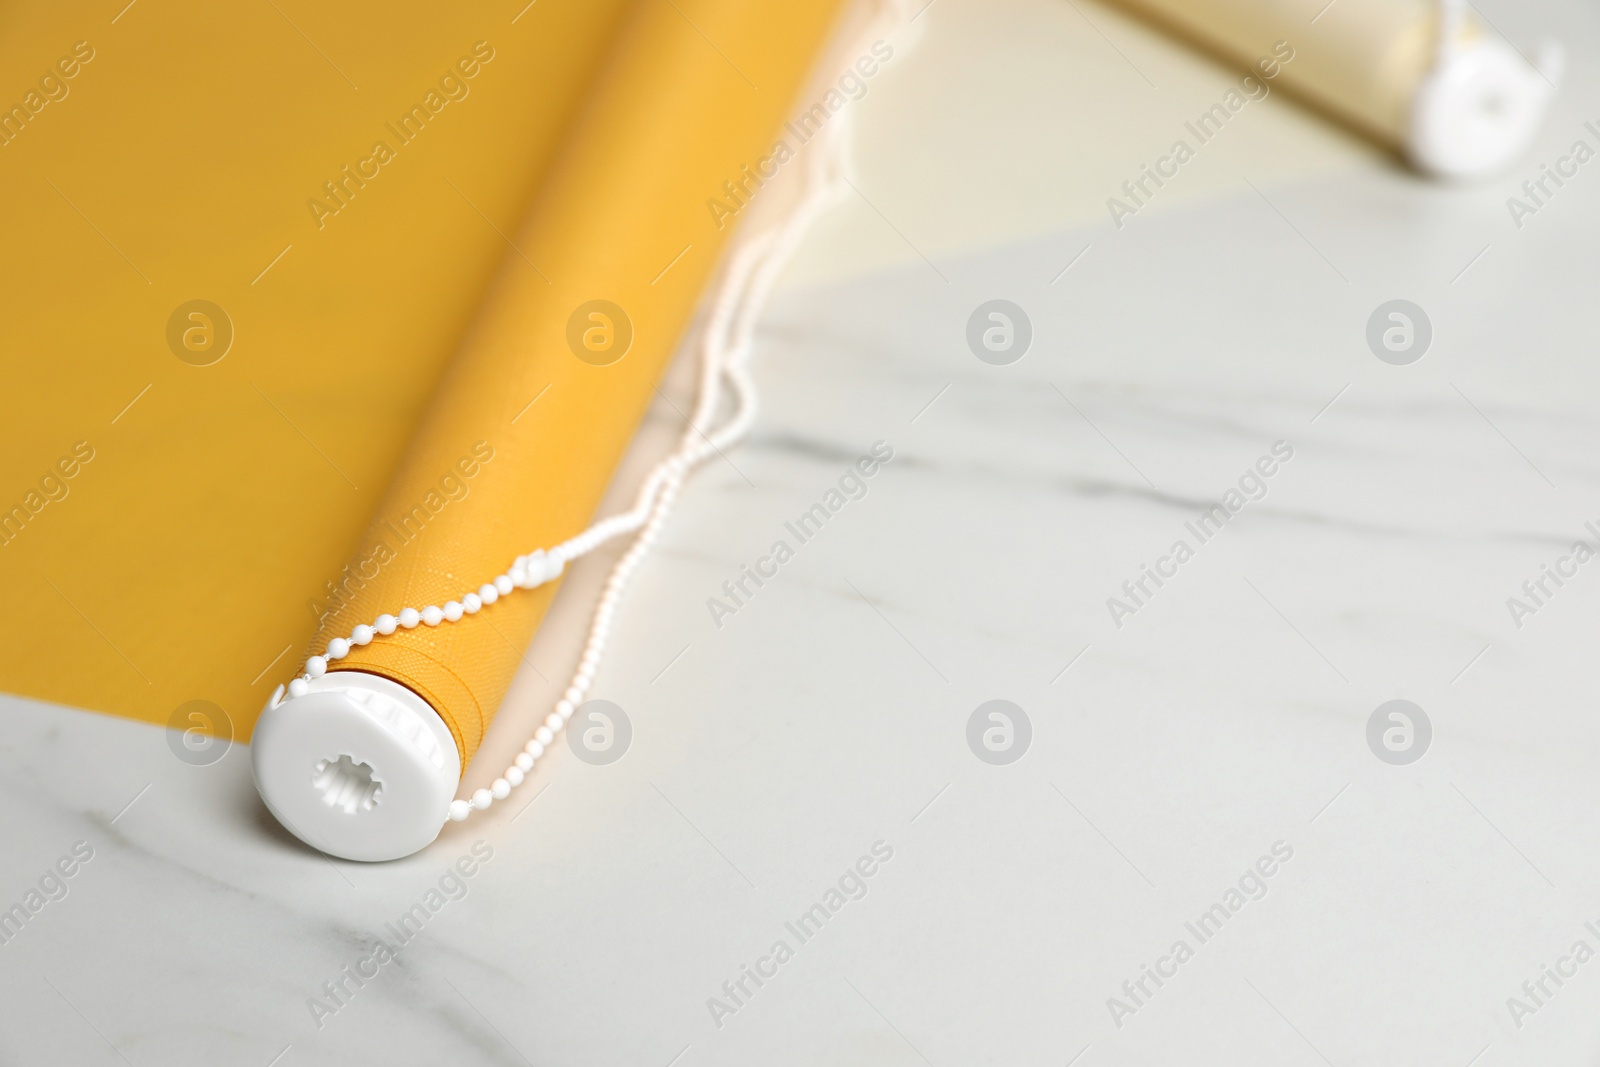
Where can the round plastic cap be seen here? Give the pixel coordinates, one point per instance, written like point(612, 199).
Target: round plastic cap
point(1479, 108)
point(358, 766)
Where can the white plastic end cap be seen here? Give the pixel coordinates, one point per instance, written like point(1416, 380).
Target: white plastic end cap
point(358, 766)
point(1479, 108)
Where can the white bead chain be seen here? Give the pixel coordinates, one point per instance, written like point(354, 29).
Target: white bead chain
point(726, 345)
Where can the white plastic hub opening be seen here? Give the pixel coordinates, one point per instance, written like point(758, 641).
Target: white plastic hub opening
point(359, 766)
point(1479, 108)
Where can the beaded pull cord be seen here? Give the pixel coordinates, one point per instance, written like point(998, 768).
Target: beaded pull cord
point(725, 346)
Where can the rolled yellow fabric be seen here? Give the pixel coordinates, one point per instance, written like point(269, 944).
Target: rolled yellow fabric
point(521, 438)
point(177, 563)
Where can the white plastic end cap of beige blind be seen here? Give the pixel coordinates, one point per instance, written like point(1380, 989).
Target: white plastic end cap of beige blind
point(1480, 107)
point(358, 766)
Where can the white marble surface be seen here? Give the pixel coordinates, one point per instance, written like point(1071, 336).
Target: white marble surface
point(830, 712)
